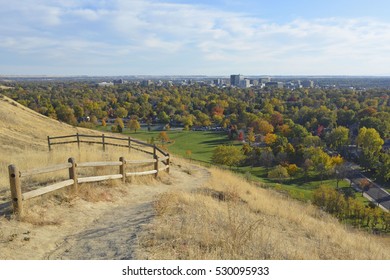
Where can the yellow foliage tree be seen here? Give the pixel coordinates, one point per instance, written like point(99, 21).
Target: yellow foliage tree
point(133, 124)
point(163, 137)
point(270, 138)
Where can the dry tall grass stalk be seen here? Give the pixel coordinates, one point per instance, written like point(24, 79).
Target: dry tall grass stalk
point(231, 219)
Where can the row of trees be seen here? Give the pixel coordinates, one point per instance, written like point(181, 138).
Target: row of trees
point(132, 124)
point(288, 123)
point(277, 150)
point(349, 208)
point(203, 105)
point(311, 152)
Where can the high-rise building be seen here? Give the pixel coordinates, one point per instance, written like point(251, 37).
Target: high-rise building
point(265, 80)
point(274, 84)
point(307, 84)
point(245, 83)
point(235, 80)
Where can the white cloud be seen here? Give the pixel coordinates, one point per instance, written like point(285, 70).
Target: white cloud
point(192, 36)
point(88, 14)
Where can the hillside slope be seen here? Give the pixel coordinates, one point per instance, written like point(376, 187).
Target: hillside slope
point(22, 128)
point(23, 138)
point(230, 218)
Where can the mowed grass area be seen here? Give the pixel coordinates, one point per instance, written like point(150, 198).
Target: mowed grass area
point(299, 187)
point(200, 143)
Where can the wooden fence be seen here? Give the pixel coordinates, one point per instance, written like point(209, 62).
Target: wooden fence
point(103, 140)
point(160, 161)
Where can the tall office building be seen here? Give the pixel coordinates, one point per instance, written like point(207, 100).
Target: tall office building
point(235, 80)
point(307, 84)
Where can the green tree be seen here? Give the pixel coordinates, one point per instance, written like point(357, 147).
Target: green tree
point(383, 170)
point(279, 172)
point(118, 125)
point(371, 144)
point(227, 155)
point(188, 120)
point(312, 141)
point(65, 114)
point(163, 117)
point(262, 126)
point(330, 200)
point(298, 133)
point(251, 135)
point(78, 111)
point(267, 157)
point(202, 119)
point(338, 137)
point(94, 120)
point(133, 124)
point(346, 117)
point(121, 112)
point(380, 125)
point(322, 162)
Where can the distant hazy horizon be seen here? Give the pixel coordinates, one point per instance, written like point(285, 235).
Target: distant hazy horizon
point(188, 37)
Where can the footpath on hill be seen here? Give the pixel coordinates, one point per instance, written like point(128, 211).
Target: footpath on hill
point(114, 234)
point(108, 229)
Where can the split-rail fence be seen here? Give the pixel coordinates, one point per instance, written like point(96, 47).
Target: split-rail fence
point(159, 159)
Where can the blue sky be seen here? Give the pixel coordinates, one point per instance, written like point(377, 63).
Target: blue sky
point(183, 37)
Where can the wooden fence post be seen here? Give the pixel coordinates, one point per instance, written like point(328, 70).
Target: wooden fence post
point(122, 169)
point(78, 140)
point(129, 144)
point(168, 162)
point(73, 174)
point(16, 190)
point(48, 142)
point(155, 165)
point(104, 144)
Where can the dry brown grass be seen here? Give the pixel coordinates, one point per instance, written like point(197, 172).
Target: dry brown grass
point(23, 142)
point(232, 219)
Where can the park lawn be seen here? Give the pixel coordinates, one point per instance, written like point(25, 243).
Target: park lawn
point(298, 188)
point(200, 143)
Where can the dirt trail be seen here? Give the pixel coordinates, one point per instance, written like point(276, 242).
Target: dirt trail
point(113, 235)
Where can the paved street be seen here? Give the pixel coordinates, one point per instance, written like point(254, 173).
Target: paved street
point(373, 190)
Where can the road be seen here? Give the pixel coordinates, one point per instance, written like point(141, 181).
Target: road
point(373, 191)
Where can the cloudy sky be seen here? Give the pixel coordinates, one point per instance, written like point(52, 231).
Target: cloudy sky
point(183, 37)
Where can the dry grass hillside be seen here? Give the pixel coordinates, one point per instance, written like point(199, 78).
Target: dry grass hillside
point(23, 139)
point(229, 218)
point(192, 213)
point(23, 129)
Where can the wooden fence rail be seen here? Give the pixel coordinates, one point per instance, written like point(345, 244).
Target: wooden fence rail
point(160, 161)
point(104, 140)
point(17, 196)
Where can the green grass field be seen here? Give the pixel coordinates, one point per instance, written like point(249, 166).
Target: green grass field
point(200, 143)
point(299, 187)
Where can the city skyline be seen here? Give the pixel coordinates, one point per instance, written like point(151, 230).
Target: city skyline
point(180, 37)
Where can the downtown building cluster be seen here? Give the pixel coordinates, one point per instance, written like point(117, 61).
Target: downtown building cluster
point(242, 82)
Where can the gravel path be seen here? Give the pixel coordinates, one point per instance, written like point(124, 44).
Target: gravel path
point(113, 235)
